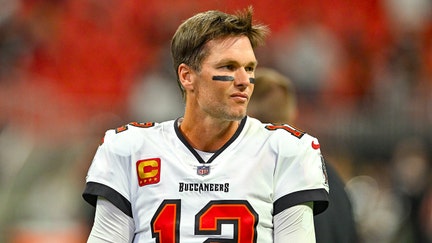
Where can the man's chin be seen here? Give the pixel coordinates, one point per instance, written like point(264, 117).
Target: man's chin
point(236, 117)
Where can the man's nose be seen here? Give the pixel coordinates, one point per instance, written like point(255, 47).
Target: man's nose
point(242, 77)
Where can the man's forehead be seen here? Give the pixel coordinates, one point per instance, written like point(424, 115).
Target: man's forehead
point(227, 42)
point(231, 60)
point(226, 51)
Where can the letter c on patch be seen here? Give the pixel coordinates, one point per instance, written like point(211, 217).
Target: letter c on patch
point(148, 171)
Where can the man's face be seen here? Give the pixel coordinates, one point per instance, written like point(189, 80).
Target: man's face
point(222, 88)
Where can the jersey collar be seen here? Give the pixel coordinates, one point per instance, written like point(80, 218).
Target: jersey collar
point(219, 151)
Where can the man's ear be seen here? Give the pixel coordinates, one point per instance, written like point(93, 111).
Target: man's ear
point(185, 76)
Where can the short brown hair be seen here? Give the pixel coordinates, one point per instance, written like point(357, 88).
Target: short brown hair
point(267, 108)
point(188, 42)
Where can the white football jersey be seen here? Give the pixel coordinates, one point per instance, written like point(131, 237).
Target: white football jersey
point(151, 173)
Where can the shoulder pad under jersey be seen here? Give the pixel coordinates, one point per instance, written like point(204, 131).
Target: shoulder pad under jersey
point(126, 139)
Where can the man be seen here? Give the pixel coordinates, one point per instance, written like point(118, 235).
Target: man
point(214, 175)
point(275, 101)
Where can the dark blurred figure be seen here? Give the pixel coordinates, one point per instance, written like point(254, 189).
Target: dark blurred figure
point(411, 181)
point(274, 100)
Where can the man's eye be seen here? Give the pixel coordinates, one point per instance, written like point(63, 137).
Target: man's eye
point(229, 67)
point(249, 69)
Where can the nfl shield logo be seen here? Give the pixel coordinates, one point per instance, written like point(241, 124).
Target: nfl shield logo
point(203, 170)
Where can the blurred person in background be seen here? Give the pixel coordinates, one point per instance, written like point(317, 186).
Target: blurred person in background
point(411, 176)
point(274, 101)
point(188, 180)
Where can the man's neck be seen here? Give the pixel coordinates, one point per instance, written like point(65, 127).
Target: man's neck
point(209, 134)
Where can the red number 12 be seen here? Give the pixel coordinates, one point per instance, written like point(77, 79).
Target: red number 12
point(165, 223)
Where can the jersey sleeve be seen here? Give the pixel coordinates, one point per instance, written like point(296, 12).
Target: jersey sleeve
point(300, 174)
point(109, 173)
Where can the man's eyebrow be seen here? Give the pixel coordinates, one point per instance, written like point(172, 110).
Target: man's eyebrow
point(231, 61)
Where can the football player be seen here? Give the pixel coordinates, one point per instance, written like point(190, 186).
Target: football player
point(215, 174)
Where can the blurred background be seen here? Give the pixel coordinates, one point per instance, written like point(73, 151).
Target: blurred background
point(69, 70)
